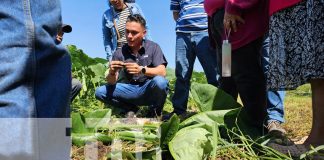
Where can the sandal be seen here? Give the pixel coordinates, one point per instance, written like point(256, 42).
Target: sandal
point(280, 138)
point(294, 151)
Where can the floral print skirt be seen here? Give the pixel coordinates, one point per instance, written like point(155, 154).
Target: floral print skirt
point(296, 45)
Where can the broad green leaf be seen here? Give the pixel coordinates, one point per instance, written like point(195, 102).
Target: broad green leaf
point(191, 143)
point(86, 123)
point(209, 118)
point(100, 60)
point(210, 98)
point(168, 130)
point(78, 125)
point(225, 119)
point(97, 119)
point(99, 72)
point(214, 140)
point(80, 59)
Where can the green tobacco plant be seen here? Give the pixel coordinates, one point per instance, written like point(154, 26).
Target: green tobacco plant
point(85, 126)
point(80, 59)
point(168, 130)
point(208, 98)
point(210, 118)
point(192, 143)
point(90, 72)
point(215, 127)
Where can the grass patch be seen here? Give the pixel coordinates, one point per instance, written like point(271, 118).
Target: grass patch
point(298, 112)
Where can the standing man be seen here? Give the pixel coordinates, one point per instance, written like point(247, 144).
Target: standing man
point(137, 72)
point(191, 42)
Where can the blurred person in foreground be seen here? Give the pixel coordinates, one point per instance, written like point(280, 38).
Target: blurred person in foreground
point(35, 82)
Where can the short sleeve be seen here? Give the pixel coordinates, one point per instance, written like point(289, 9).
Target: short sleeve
point(158, 57)
point(175, 5)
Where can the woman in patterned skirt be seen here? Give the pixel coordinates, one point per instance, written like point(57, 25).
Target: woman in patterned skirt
point(297, 54)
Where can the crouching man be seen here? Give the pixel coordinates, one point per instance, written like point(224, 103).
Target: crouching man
point(137, 72)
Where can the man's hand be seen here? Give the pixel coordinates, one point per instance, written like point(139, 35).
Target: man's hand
point(231, 21)
point(115, 66)
point(133, 68)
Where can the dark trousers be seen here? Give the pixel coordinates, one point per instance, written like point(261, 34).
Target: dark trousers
point(247, 78)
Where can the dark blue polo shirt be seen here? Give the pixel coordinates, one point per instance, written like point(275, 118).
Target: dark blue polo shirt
point(150, 55)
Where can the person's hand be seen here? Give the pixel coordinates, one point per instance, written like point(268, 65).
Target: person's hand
point(133, 68)
point(115, 66)
point(231, 21)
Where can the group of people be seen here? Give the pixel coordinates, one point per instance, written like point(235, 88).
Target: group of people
point(269, 56)
point(128, 89)
point(276, 46)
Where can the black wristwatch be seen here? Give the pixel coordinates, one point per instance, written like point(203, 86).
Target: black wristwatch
point(143, 70)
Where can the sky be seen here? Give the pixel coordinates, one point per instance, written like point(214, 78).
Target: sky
point(85, 17)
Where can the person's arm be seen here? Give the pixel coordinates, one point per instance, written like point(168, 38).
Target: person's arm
point(106, 37)
point(175, 15)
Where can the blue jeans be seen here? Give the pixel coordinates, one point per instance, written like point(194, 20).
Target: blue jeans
point(152, 93)
point(35, 80)
point(275, 99)
point(188, 47)
point(35, 72)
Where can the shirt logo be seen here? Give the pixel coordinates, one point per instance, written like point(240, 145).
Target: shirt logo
point(145, 56)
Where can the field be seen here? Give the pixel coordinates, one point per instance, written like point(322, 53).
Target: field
point(216, 137)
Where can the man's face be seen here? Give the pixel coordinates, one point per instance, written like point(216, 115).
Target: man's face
point(135, 33)
point(118, 4)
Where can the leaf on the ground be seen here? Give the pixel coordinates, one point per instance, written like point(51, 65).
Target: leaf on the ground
point(191, 143)
point(168, 130)
point(208, 98)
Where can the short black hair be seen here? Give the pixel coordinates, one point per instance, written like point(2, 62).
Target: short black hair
point(136, 18)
